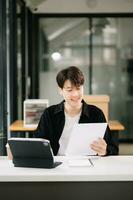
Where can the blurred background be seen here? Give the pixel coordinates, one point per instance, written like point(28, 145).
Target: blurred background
point(40, 37)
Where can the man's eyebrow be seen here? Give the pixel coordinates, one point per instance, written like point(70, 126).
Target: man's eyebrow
point(68, 87)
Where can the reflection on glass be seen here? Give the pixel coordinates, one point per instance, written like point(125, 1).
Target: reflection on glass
point(112, 39)
point(65, 43)
point(112, 60)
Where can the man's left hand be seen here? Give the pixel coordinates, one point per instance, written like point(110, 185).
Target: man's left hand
point(99, 146)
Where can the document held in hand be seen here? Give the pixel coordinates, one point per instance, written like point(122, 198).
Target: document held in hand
point(82, 136)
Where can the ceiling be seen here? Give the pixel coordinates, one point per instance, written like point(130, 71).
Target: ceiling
point(80, 6)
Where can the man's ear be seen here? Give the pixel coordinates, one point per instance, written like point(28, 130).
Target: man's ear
point(60, 90)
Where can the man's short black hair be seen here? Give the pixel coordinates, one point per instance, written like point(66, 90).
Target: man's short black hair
point(73, 74)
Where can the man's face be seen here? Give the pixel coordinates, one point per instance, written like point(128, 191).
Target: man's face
point(72, 95)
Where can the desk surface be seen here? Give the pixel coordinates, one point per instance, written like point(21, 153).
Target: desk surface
point(18, 125)
point(110, 168)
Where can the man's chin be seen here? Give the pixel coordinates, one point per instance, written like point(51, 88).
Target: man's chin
point(76, 103)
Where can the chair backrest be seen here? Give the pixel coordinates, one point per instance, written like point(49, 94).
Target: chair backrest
point(101, 101)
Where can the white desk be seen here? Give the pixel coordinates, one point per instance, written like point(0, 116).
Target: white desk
point(110, 177)
point(111, 168)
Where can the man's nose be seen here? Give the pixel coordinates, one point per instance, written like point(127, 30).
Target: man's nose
point(75, 93)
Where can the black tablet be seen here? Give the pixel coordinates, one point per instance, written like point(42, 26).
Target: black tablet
point(32, 152)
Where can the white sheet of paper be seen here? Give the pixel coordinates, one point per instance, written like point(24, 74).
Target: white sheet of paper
point(79, 162)
point(82, 136)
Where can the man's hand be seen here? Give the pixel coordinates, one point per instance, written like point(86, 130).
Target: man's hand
point(99, 146)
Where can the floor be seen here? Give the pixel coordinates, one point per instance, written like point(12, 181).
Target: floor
point(125, 149)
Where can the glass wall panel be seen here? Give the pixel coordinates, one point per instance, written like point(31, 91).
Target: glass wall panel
point(63, 42)
point(66, 41)
point(16, 61)
point(113, 67)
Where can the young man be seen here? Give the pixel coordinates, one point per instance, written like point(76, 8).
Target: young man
point(57, 121)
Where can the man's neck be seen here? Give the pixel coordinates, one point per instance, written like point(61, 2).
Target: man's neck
point(72, 111)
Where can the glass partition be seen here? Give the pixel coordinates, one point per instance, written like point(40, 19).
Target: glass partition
point(103, 48)
point(63, 42)
point(112, 67)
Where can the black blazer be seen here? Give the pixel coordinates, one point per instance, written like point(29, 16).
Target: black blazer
point(53, 120)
